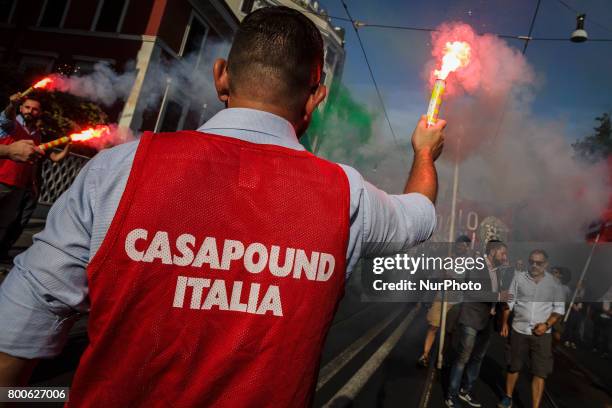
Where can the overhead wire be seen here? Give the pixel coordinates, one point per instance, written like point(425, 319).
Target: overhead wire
point(531, 25)
point(367, 61)
point(362, 24)
point(591, 20)
point(359, 24)
point(504, 109)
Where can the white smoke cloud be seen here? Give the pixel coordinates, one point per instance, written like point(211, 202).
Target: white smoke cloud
point(511, 161)
point(192, 73)
point(103, 85)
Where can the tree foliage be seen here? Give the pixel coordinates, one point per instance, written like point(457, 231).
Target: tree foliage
point(597, 146)
point(62, 113)
point(65, 114)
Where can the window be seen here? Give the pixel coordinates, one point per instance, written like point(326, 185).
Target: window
point(110, 14)
point(7, 7)
point(195, 36)
point(53, 13)
point(172, 117)
point(32, 66)
point(330, 57)
point(247, 6)
point(84, 65)
point(173, 110)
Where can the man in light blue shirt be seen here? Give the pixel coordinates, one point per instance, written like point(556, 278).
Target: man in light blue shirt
point(47, 289)
point(537, 302)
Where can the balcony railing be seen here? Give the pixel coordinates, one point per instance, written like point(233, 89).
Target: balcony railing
point(57, 177)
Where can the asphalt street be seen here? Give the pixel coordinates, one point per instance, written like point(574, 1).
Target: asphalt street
point(369, 361)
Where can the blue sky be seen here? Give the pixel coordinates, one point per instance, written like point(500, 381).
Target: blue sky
point(575, 81)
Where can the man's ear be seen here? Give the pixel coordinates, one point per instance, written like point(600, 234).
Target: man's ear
point(314, 99)
point(221, 78)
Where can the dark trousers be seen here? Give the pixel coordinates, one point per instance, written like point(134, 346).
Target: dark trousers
point(601, 333)
point(472, 347)
point(16, 208)
point(572, 326)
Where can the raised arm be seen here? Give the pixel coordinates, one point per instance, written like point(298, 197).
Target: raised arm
point(10, 112)
point(384, 224)
point(427, 144)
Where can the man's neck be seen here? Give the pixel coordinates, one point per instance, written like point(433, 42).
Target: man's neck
point(536, 278)
point(30, 126)
point(237, 102)
point(491, 264)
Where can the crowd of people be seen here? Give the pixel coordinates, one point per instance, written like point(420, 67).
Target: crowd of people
point(531, 308)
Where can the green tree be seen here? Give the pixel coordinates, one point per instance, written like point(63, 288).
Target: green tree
point(65, 114)
point(597, 146)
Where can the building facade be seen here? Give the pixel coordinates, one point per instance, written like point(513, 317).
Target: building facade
point(41, 36)
point(334, 45)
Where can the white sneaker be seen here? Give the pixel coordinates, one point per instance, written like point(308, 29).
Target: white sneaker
point(469, 399)
point(450, 403)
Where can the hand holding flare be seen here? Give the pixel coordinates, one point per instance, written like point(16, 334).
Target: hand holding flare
point(457, 55)
point(42, 84)
point(89, 133)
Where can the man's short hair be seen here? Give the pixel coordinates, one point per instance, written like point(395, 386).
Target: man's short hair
point(539, 251)
point(34, 98)
point(277, 52)
point(494, 245)
point(463, 238)
point(566, 274)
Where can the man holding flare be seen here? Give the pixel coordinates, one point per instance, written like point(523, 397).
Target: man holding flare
point(239, 244)
point(19, 154)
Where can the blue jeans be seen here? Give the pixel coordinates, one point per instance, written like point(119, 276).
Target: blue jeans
point(473, 345)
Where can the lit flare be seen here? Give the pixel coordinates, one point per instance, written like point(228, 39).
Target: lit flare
point(87, 134)
point(456, 55)
point(42, 84)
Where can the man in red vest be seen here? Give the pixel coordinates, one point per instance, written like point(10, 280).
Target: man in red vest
point(19, 153)
point(211, 262)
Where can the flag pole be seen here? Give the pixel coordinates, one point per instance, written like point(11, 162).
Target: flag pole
point(584, 271)
point(451, 239)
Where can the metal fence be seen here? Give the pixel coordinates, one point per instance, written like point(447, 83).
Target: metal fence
point(57, 177)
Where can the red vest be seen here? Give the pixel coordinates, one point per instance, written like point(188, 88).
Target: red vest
point(15, 173)
point(218, 279)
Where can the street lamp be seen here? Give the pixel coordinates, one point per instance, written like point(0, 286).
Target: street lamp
point(579, 35)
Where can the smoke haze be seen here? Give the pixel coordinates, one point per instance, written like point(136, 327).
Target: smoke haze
point(509, 160)
point(192, 74)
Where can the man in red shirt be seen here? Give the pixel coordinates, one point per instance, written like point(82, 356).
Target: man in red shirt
point(19, 153)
